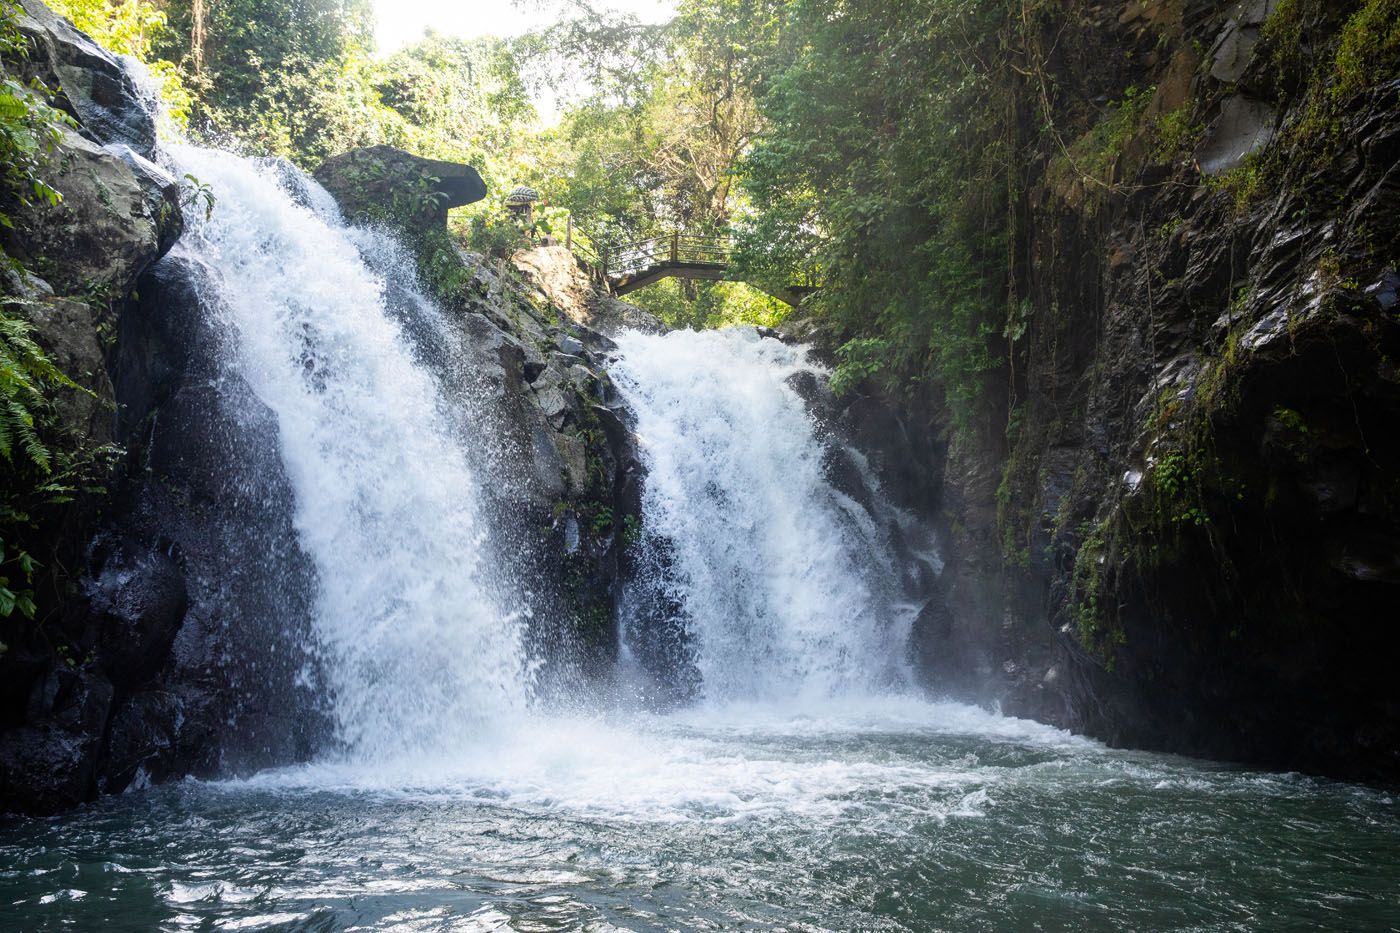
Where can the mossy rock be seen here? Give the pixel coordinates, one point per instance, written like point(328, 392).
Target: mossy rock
point(385, 183)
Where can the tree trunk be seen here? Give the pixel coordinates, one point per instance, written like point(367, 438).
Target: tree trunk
point(197, 35)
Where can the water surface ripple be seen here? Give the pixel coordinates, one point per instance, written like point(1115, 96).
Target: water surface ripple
point(878, 815)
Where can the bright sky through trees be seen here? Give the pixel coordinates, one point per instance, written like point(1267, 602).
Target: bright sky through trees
point(399, 22)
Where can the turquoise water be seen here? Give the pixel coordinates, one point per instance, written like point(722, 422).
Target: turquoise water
point(892, 815)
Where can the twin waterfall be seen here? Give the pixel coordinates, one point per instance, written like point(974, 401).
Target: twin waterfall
point(432, 672)
point(443, 617)
point(786, 581)
point(420, 645)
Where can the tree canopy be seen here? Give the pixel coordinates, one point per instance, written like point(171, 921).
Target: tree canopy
point(849, 143)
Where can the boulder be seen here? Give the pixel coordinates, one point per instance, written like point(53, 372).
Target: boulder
point(143, 742)
point(140, 597)
point(1243, 127)
point(566, 284)
point(68, 332)
point(50, 762)
point(90, 82)
point(1233, 51)
point(382, 182)
point(120, 212)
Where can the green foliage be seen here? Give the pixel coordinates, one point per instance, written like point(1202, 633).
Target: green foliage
point(650, 145)
point(465, 97)
point(197, 194)
point(1177, 491)
point(291, 78)
point(884, 165)
point(1364, 55)
point(603, 176)
point(30, 126)
point(1094, 155)
point(25, 375)
point(859, 359)
point(631, 530)
point(465, 100)
point(1175, 133)
point(602, 521)
point(492, 232)
point(1244, 183)
point(41, 463)
point(1369, 50)
point(28, 380)
point(698, 305)
point(878, 149)
point(1096, 620)
point(443, 270)
point(1289, 419)
point(29, 130)
point(1283, 30)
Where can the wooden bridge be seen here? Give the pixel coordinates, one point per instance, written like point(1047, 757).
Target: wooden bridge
point(631, 266)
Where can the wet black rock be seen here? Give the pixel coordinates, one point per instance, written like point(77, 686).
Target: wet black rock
point(139, 598)
point(1192, 518)
point(50, 762)
point(119, 604)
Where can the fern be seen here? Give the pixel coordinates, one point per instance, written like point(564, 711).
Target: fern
point(27, 377)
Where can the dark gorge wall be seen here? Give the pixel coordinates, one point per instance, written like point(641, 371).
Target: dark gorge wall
point(1180, 526)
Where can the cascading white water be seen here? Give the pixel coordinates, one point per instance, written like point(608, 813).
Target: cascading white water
point(785, 583)
point(422, 641)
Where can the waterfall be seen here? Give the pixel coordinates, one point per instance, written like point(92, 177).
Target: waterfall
point(420, 636)
point(788, 586)
point(785, 580)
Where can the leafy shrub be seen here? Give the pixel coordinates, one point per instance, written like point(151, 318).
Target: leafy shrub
point(1369, 51)
point(30, 126)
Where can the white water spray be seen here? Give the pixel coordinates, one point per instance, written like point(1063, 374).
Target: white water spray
point(785, 582)
point(422, 641)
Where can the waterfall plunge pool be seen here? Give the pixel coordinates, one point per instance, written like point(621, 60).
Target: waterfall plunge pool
point(893, 814)
point(466, 802)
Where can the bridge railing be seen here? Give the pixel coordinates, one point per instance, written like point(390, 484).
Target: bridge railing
point(630, 265)
point(674, 248)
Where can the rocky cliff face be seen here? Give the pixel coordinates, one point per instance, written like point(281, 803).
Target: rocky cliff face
point(534, 335)
point(176, 640)
point(1188, 536)
point(69, 679)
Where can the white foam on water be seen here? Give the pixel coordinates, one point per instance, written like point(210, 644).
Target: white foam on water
point(733, 763)
point(877, 714)
point(785, 582)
